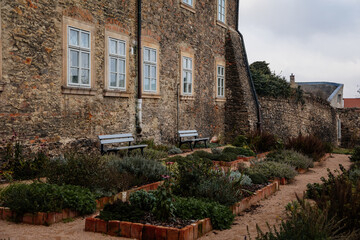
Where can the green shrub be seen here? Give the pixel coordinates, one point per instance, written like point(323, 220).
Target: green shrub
point(121, 211)
point(174, 150)
point(256, 176)
point(262, 141)
point(149, 153)
point(43, 197)
point(192, 208)
point(310, 145)
point(239, 151)
point(143, 200)
point(216, 151)
point(206, 155)
point(290, 157)
point(355, 157)
point(240, 141)
point(151, 145)
point(273, 170)
point(242, 179)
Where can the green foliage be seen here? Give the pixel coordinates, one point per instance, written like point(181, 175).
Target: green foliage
point(256, 176)
point(174, 150)
point(216, 151)
point(192, 208)
point(240, 141)
point(273, 170)
point(43, 197)
point(262, 141)
point(290, 157)
point(355, 157)
point(121, 211)
point(342, 151)
point(164, 207)
point(143, 200)
point(151, 145)
point(239, 151)
point(225, 156)
point(149, 153)
point(309, 145)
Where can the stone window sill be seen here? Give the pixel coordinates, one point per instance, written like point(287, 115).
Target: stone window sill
point(221, 24)
point(220, 99)
point(2, 86)
point(149, 95)
point(78, 91)
point(116, 93)
point(185, 98)
point(188, 7)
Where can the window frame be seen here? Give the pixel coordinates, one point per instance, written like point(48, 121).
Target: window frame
point(220, 77)
point(150, 64)
point(80, 50)
point(187, 6)
point(186, 2)
point(118, 58)
point(187, 52)
point(185, 71)
point(218, 20)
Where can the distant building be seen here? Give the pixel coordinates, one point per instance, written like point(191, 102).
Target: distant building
point(329, 91)
point(351, 102)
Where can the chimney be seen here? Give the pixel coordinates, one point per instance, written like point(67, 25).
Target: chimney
point(292, 80)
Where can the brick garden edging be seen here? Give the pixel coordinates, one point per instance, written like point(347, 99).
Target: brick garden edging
point(233, 165)
point(39, 218)
point(124, 196)
point(252, 200)
point(146, 231)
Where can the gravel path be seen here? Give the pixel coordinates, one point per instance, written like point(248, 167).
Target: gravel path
point(271, 210)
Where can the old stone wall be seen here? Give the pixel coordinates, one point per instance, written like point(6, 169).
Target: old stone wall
point(287, 118)
point(350, 126)
point(37, 104)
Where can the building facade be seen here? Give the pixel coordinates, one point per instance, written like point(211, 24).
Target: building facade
point(73, 69)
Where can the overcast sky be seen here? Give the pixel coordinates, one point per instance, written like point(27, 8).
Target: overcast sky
point(317, 40)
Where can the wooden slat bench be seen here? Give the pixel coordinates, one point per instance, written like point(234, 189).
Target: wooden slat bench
point(190, 136)
point(119, 138)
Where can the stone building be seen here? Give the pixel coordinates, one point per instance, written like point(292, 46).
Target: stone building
point(74, 69)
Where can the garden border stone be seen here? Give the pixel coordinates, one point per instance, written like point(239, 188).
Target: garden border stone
point(233, 165)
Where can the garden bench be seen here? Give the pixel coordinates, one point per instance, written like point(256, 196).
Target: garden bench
point(119, 138)
point(193, 135)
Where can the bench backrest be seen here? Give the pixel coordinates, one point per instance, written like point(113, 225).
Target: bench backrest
point(116, 138)
point(188, 133)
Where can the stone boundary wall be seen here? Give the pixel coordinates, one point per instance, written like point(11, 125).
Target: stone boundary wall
point(350, 126)
point(286, 118)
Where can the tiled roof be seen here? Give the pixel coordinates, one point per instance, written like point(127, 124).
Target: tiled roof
point(352, 102)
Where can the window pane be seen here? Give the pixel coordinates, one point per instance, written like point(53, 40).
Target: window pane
point(153, 56)
point(113, 47)
point(74, 58)
point(146, 54)
point(85, 40)
point(113, 79)
point(153, 72)
point(185, 77)
point(74, 75)
point(122, 81)
point(122, 66)
point(222, 71)
point(113, 65)
point(122, 48)
point(147, 84)
point(85, 58)
point(153, 84)
point(147, 71)
point(85, 77)
point(185, 87)
point(190, 64)
point(189, 88)
point(74, 37)
point(184, 63)
point(189, 77)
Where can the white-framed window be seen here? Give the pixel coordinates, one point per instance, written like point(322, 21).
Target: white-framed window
point(150, 70)
point(221, 11)
point(220, 82)
point(117, 64)
point(79, 60)
point(187, 73)
point(188, 2)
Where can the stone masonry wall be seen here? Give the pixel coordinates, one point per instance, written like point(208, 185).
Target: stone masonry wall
point(350, 126)
point(37, 105)
point(286, 118)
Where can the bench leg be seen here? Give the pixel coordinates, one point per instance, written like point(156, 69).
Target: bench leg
point(191, 146)
point(142, 151)
point(205, 143)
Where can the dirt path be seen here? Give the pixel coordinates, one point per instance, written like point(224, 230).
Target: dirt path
point(272, 213)
point(271, 210)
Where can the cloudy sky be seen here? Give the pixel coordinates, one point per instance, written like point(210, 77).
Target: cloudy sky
point(317, 40)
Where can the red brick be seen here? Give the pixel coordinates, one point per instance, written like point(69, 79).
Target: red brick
point(173, 233)
point(90, 224)
point(185, 233)
point(39, 218)
point(28, 218)
point(50, 218)
point(65, 213)
point(58, 217)
point(149, 232)
point(7, 214)
point(195, 230)
point(101, 226)
point(160, 233)
point(1, 212)
point(208, 226)
point(136, 230)
point(283, 181)
point(201, 228)
point(125, 229)
point(73, 214)
point(114, 228)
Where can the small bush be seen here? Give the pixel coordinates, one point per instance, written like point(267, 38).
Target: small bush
point(256, 176)
point(174, 150)
point(262, 141)
point(151, 145)
point(273, 170)
point(310, 145)
point(121, 211)
point(43, 197)
point(192, 208)
point(143, 200)
point(239, 151)
point(216, 151)
point(355, 157)
point(240, 141)
point(290, 157)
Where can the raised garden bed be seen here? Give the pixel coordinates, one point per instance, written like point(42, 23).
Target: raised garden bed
point(147, 231)
point(234, 165)
point(39, 218)
point(124, 196)
point(256, 197)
